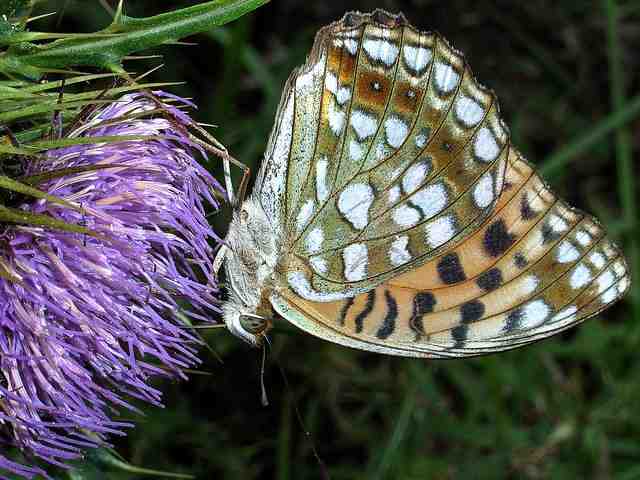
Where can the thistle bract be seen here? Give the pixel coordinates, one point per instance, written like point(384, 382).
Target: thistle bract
point(86, 319)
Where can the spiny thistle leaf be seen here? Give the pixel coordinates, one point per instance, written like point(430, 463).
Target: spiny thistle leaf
point(127, 35)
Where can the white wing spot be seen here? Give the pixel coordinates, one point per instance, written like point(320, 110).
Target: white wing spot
point(485, 147)
point(299, 283)
point(319, 265)
point(567, 314)
point(351, 45)
point(304, 215)
point(533, 314)
point(431, 199)
point(530, 284)
point(446, 77)
point(394, 194)
point(331, 82)
point(623, 285)
point(314, 240)
point(440, 231)
point(398, 253)
point(354, 202)
point(405, 216)
point(417, 58)
point(605, 281)
point(500, 177)
point(355, 150)
point(468, 111)
point(598, 260)
point(567, 252)
point(343, 95)
point(583, 238)
point(356, 258)
point(421, 140)
point(483, 191)
point(619, 269)
point(309, 79)
point(557, 224)
point(396, 131)
point(336, 118)
point(414, 176)
point(381, 50)
point(322, 191)
point(609, 296)
point(364, 124)
point(580, 277)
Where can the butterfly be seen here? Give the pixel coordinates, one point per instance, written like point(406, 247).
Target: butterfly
point(391, 212)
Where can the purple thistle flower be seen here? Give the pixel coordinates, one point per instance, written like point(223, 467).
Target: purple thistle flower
point(88, 320)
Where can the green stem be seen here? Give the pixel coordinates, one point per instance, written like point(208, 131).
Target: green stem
point(623, 148)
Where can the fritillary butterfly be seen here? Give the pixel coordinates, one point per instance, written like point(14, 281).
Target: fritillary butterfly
point(393, 214)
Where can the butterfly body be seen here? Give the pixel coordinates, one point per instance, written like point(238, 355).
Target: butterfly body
point(250, 263)
point(391, 212)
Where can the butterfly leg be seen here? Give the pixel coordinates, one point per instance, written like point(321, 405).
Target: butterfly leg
point(242, 190)
point(221, 151)
point(219, 258)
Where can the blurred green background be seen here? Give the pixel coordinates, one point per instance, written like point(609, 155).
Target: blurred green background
point(568, 77)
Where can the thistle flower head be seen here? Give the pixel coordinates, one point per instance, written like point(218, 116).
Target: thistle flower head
point(86, 319)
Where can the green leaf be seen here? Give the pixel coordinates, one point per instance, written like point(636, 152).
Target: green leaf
point(129, 35)
point(37, 109)
point(18, 187)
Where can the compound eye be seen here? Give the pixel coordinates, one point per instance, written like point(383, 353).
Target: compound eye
point(254, 324)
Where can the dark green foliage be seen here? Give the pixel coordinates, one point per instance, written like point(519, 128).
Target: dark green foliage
point(567, 75)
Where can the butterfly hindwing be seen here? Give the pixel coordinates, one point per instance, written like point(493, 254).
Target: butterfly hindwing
point(544, 269)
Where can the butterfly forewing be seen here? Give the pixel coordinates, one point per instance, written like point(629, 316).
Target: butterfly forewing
point(409, 223)
point(403, 159)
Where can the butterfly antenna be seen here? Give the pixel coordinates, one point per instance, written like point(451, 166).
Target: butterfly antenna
point(324, 473)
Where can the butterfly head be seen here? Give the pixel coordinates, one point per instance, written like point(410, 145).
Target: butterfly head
point(247, 326)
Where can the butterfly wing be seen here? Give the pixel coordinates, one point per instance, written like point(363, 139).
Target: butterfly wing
point(394, 186)
point(534, 268)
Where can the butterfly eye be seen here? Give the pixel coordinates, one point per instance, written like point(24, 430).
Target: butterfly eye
point(253, 324)
point(244, 215)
